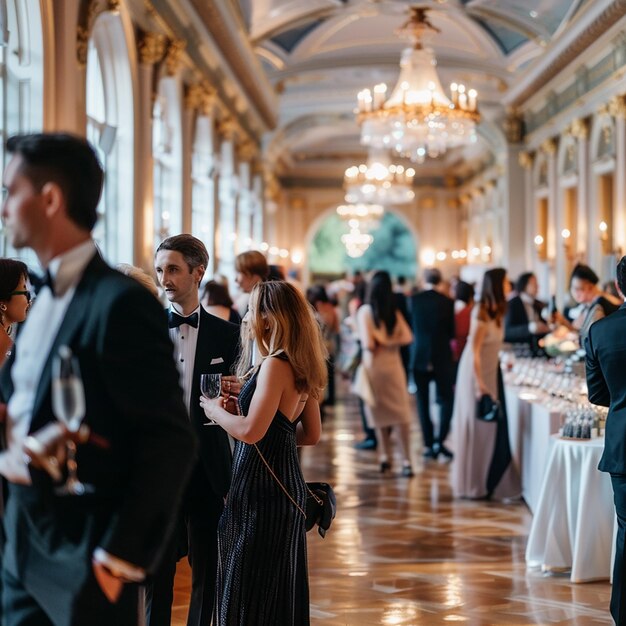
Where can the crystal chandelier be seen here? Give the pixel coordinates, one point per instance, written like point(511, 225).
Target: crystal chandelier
point(356, 242)
point(379, 181)
point(365, 217)
point(418, 120)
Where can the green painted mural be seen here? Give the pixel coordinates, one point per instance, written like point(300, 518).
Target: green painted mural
point(393, 249)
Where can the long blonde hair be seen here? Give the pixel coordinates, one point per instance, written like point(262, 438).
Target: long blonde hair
point(281, 320)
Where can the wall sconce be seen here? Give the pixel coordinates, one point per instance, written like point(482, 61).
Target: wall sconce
point(603, 227)
point(462, 254)
point(539, 241)
point(566, 234)
point(475, 251)
point(441, 256)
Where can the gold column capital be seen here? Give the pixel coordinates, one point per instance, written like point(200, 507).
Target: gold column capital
point(579, 129)
point(549, 147)
point(174, 56)
point(617, 106)
point(227, 128)
point(247, 150)
point(151, 48)
point(526, 159)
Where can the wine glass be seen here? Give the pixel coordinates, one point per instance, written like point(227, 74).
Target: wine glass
point(211, 387)
point(68, 405)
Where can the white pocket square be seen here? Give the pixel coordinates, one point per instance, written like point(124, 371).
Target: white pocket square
point(217, 361)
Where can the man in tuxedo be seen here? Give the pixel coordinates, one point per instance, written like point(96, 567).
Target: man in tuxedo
point(432, 319)
point(523, 322)
point(605, 346)
point(203, 344)
point(76, 560)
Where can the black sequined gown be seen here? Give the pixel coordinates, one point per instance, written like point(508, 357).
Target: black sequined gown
point(262, 565)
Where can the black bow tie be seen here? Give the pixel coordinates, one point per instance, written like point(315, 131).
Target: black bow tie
point(47, 281)
point(174, 320)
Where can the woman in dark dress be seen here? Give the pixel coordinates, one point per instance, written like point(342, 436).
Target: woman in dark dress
point(262, 570)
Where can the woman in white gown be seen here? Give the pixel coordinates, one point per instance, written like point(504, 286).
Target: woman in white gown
point(482, 467)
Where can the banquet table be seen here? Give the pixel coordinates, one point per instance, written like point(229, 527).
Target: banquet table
point(573, 524)
point(530, 425)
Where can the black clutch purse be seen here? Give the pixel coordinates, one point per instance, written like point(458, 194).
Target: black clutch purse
point(321, 507)
point(487, 409)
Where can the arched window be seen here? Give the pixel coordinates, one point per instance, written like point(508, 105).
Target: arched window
point(110, 128)
point(167, 152)
point(203, 167)
point(21, 79)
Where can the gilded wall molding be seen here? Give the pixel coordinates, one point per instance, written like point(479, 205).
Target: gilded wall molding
point(513, 127)
point(247, 150)
point(549, 147)
point(617, 106)
point(228, 128)
point(200, 97)
point(87, 13)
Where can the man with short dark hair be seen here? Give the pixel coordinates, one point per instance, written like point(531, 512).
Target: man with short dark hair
point(203, 344)
point(605, 366)
point(523, 322)
point(432, 320)
point(70, 561)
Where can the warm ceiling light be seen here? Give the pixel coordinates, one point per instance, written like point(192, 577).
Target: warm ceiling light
point(379, 181)
point(417, 119)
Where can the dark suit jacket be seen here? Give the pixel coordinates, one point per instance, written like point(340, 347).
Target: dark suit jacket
point(605, 367)
point(117, 330)
point(432, 320)
point(516, 321)
point(217, 340)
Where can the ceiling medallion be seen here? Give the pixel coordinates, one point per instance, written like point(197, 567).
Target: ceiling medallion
point(418, 119)
point(379, 181)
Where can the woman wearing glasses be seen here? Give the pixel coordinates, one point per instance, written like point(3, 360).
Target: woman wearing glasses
point(14, 301)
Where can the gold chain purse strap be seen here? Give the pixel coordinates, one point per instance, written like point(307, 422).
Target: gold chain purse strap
point(271, 471)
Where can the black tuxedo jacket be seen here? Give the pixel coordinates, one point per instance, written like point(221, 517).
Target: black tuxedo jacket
point(516, 321)
point(134, 404)
point(606, 367)
point(432, 320)
point(217, 349)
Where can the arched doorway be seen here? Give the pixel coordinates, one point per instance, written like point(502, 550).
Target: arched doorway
point(394, 248)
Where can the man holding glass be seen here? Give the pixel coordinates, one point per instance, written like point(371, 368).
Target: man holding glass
point(203, 345)
point(76, 559)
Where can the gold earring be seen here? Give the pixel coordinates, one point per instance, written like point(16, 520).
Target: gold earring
point(3, 307)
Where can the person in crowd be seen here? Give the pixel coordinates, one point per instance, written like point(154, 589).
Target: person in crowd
point(251, 268)
point(142, 277)
point(432, 315)
point(262, 575)
point(217, 301)
point(82, 557)
point(523, 322)
point(482, 466)
point(203, 344)
point(463, 305)
point(594, 304)
point(382, 331)
point(605, 364)
point(276, 272)
point(328, 319)
point(357, 300)
point(14, 301)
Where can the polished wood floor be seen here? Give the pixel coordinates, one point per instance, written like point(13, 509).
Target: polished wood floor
point(403, 552)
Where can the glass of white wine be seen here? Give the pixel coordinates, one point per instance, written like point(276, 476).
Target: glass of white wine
point(211, 387)
point(68, 405)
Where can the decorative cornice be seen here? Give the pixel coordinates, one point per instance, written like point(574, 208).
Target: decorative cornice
point(579, 129)
point(151, 48)
point(592, 32)
point(174, 56)
point(237, 50)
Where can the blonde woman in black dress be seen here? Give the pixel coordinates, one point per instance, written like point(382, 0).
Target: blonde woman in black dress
point(262, 568)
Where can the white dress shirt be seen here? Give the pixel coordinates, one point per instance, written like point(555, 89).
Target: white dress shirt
point(185, 339)
point(32, 348)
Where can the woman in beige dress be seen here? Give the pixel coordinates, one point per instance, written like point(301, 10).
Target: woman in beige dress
point(382, 331)
point(482, 461)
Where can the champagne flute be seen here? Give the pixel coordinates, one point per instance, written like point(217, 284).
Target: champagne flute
point(211, 387)
point(68, 405)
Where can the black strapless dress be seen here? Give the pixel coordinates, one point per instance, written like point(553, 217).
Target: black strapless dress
point(262, 575)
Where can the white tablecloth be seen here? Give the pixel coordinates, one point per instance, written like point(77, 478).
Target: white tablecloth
point(530, 426)
point(572, 526)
